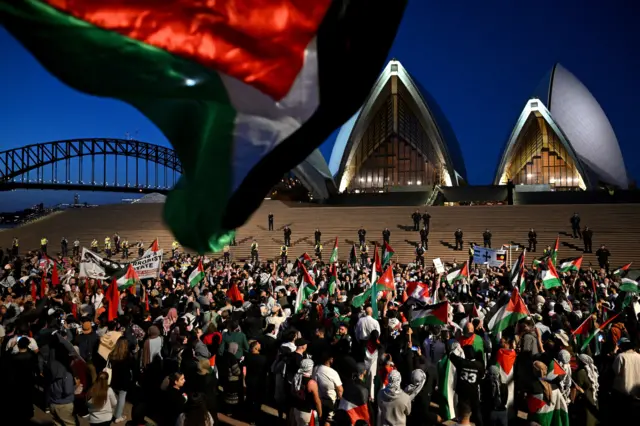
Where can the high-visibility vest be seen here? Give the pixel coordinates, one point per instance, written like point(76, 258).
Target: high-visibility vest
point(175, 244)
point(284, 250)
point(254, 247)
point(125, 244)
point(94, 243)
point(43, 241)
point(15, 242)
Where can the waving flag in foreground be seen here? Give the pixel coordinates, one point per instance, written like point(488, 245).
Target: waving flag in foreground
point(387, 254)
point(517, 273)
point(553, 413)
point(306, 289)
point(244, 90)
point(129, 280)
point(570, 264)
point(196, 275)
point(430, 315)
point(509, 314)
point(550, 277)
point(622, 270)
point(334, 252)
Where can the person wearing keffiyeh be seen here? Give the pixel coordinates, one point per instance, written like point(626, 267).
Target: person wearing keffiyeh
point(306, 399)
point(394, 405)
point(586, 397)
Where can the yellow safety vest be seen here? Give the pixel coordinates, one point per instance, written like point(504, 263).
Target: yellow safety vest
point(254, 247)
point(15, 242)
point(94, 243)
point(43, 242)
point(175, 244)
point(284, 250)
point(125, 244)
point(318, 247)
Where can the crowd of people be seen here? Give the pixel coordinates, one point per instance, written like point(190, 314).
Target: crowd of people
point(319, 343)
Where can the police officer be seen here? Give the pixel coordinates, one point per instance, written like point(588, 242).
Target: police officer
point(94, 245)
point(362, 234)
point(226, 253)
point(420, 255)
point(76, 247)
point(471, 252)
point(116, 242)
point(424, 237)
point(14, 246)
point(107, 246)
point(270, 218)
point(64, 246)
point(284, 250)
point(125, 248)
point(254, 252)
point(386, 235)
point(287, 236)
point(43, 244)
point(426, 219)
point(318, 249)
point(174, 248)
point(364, 254)
point(458, 236)
point(486, 237)
point(140, 248)
point(575, 225)
point(415, 216)
point(587, 236)
point(533, 239)
point(317, 236)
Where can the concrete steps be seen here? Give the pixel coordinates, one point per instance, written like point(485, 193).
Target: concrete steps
point(615, 225)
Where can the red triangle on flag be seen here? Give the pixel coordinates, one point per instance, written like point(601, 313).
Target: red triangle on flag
point(386, 280)
point(557, 370)
point(234, 293)
point(506, 359)
point(55, 279)
point(535, 404)
point(516, 304)
point(474, 312)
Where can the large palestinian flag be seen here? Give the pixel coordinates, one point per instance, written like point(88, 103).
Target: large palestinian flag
point(430, 315)
point(387, 254)
point(458, 274)
point(196, 275)
point(243, 89)
point(508, 314)
point(354, 403)
point(306, 289)
point(128, 280)
point(505, 360)
point(447, 377)
point(549, 276)
point(568, 265)
point(553, 413)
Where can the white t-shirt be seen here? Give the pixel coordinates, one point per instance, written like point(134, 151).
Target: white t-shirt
point(328, 380)
point(365, 326)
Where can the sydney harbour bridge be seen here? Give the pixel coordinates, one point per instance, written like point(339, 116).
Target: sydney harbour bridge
point(95, 164)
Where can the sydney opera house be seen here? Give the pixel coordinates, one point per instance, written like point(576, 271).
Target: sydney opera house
point(400, 141)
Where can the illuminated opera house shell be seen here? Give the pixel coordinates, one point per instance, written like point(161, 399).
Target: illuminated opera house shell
point(562, 139)
point(398, 140)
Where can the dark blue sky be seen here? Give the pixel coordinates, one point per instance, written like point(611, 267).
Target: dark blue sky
point(479, 60)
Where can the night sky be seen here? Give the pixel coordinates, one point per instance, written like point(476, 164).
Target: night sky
point(480, 60)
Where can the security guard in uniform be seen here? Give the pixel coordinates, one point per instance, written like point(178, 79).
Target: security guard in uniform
point(386, 235)
point(364, 254)
point(76, 247)
point(486, 238)
point(317, 235)
point(43, 244)
point(124, 245)
point(284, 250)
point(94, 245)
point(458, 236)
point(254, 252)
point(14, 246)
point(319, 250)
point(64, 246)
point(174, 248)
point(107, 246)
point(424, 238)
point(533, 239)
point(420, 255)
point(470, 255)
point(226, 254)
point(140, 248)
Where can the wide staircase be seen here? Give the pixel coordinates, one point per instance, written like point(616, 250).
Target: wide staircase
point(615, 225)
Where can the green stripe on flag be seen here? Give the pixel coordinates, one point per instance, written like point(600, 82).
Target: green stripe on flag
point(199, 121)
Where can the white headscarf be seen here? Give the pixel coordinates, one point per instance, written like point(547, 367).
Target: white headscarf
point(564, 359)
point(393, 388)
point(418, 378)
point(592, 373)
